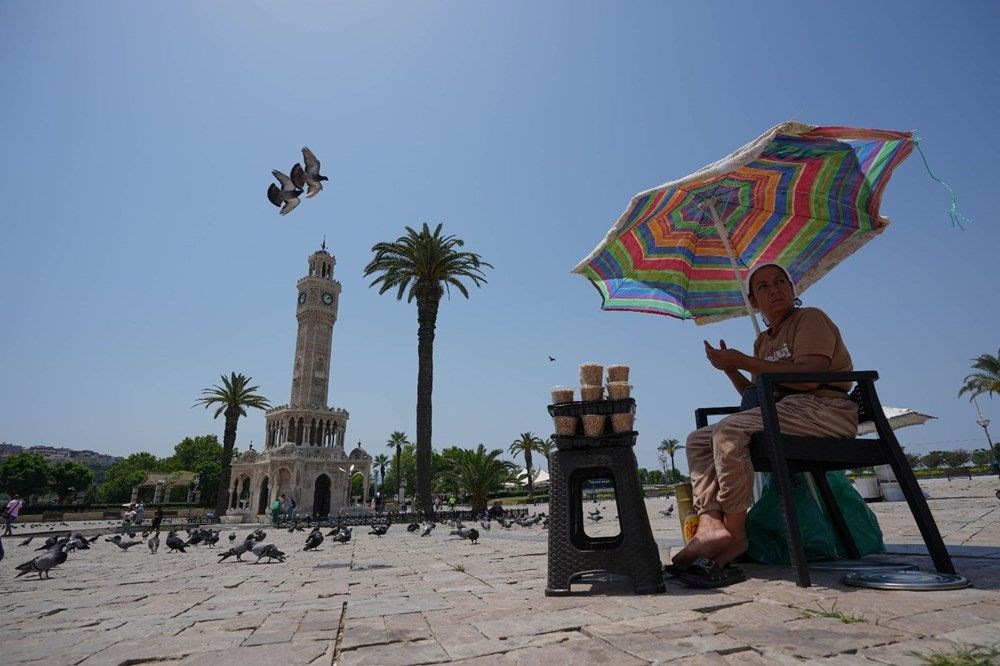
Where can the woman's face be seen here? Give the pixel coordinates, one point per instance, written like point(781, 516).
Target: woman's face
point(772, 293)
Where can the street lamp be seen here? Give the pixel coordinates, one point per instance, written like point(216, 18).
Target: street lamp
point(984, 423)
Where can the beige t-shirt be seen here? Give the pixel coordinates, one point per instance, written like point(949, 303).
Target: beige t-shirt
point(806, 332)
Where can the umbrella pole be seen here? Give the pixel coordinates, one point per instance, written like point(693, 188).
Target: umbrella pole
point(721, 230)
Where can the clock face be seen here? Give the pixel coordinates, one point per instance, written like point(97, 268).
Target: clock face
point(302, 298)
point(328, 298)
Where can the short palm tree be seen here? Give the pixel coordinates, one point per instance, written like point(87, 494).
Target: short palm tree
point(231, 399)
point(671, 447)
point(527, 444)
point(379, 462)
point(477, 474)
point(397, 441)
point(986, 379)
point(424, 265)
point(547, 447)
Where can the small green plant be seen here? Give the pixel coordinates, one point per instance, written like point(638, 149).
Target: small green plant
point(833, 613)
point(458, 567)
point(962, 655)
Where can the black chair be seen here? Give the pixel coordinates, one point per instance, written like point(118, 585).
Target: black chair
point(784, 455)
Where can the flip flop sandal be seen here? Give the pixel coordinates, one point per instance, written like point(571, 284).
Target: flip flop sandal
point(706, 573)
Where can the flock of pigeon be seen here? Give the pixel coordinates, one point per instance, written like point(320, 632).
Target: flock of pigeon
point(286, 197)
point(57, 547)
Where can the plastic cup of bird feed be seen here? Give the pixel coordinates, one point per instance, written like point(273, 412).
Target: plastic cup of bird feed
point(561, 394)
point(617, 373)
point(590, 392)
point(591, 374)
point(619, 390)
point(593, 424)
point(566, 426)
point(623, 422)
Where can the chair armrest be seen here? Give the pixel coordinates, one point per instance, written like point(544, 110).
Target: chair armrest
point(701, 414)
point(767, 380)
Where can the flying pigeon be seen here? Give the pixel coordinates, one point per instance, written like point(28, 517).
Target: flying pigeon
point(313, 180)
point(174, 542)
point(551, 359)
point(43, 563)
point(288, 194)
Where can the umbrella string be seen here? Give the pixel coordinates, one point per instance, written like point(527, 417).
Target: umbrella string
point(956, 217)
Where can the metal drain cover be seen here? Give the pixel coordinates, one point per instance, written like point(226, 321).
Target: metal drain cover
point(906, 580)
point(858, 566)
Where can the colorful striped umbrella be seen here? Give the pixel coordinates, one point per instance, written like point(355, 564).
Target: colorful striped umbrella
point(801, 196)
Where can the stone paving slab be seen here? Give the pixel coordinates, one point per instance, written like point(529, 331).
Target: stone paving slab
point(404, 599)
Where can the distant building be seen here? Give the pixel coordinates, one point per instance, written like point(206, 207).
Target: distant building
point(303, 455)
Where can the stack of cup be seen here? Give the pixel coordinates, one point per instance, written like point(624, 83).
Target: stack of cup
point(620, 389)
point(591, 387)
point(565, 425)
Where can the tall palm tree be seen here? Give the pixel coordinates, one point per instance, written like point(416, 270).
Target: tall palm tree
point(397, 440)
point(527, 444)
point(671, 447)
point(477, 474)
point(986, 380)
point(231, 399)
point(424, 265)
point(379, 462)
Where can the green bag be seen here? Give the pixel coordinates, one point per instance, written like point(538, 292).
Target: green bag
point(766, 529)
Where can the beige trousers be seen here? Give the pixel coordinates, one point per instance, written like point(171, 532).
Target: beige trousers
point(719, 454)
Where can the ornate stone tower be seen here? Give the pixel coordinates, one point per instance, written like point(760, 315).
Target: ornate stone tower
point(304, 456)
point(318, 298)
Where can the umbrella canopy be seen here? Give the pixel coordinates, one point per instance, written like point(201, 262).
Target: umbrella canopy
point(898, 417)
point(801, 196)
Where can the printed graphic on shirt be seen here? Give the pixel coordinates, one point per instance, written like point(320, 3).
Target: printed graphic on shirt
point(781, 352)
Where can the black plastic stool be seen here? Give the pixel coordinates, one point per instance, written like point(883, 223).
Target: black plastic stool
point(572, 553)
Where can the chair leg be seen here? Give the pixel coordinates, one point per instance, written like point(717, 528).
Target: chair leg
point(921, 512)
point(833, 510)
point(786, 496)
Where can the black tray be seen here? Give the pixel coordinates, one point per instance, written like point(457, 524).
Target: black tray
point(579, 408)
point(564, 442)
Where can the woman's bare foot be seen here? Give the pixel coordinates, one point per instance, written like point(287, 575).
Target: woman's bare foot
point(711, 539)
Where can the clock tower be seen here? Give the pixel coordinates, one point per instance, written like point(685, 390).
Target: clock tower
point(316, 311)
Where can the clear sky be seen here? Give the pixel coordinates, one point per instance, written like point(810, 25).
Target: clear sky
point(140, 258)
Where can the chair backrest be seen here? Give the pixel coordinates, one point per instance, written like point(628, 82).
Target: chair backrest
point(858, 398)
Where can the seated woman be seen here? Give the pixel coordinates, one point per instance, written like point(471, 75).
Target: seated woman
point(797, 340)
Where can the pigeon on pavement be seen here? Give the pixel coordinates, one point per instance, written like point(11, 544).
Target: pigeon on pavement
point(268, 550)
point(314, 539)
point(313, 180)
point(174, 542)
point(428, 528)
point(43, 563)
point(237, 551)
point(26, 541)
point(154, 543)
point(232, 537)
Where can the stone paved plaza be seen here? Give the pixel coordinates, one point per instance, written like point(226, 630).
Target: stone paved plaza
point(403, 599)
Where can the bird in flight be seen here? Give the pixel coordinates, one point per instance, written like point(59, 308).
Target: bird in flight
point(551, 359)
point(286, 198)
point(313, 180)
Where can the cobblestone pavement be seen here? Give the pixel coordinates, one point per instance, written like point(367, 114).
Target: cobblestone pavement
point(403, 599)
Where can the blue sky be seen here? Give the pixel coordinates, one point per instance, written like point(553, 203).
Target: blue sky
point(140, 258)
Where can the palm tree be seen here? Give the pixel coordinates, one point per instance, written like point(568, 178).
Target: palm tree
point(477, 474)
point(671, 447)
point(986, 380)
point(232, 399)
point(527, 444)
point(547, 447)
point(379, 462)
point(424, 265)
point(397, 440)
